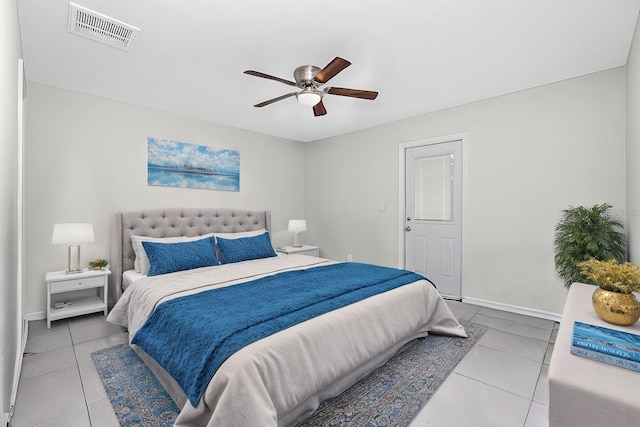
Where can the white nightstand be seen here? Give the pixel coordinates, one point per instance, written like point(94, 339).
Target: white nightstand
point(303, 250)
point(65, 288)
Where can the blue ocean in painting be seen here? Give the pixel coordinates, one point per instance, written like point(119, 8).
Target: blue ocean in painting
point(160, 175)
point(178, 164)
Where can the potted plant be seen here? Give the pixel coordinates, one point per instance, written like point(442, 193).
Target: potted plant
point(98, 264)
point(583, 234)
point(613, 299)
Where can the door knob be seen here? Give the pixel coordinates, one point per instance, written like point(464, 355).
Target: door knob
point(407, 228)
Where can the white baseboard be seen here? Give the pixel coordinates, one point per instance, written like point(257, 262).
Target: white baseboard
point(38, 315)
point(514, 309)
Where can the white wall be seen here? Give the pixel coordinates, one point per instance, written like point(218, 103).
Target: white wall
point(633, 146)
point(10, 51)
point(530, 155)
point(86, 159)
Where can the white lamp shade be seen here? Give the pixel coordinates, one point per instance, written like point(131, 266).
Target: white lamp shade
point(297, 225)
point(74, 233)
point(308, 98)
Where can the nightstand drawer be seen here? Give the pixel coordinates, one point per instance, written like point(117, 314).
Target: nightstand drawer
point(75, 284)
point(311, 252)
point(300, 250)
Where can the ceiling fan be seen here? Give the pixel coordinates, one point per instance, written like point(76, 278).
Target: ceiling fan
point(309, 78)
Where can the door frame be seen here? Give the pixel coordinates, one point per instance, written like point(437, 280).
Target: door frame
point(402, 214)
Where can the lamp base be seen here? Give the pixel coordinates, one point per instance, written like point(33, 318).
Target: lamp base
point(296, 241)
point(72, 269)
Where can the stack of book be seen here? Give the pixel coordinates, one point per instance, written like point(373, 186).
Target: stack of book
point(606, 345)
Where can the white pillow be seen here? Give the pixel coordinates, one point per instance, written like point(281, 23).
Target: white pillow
point(141, 263)
point(240, 234)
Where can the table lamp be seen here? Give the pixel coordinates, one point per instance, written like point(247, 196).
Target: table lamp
point(72, 235)
point(297, 226)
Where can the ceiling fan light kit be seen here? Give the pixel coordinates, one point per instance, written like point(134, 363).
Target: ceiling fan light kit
point(309, 78)
point(308, 97)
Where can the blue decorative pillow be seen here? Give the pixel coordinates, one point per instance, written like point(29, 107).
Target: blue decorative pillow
point(170, 257)
point(245, 248)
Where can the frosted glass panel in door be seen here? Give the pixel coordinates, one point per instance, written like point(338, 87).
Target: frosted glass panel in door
point(433, 188)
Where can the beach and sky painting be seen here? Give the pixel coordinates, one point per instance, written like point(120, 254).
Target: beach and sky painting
point(179, 164)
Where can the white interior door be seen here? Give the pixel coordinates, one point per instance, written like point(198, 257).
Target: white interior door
point(433, 208)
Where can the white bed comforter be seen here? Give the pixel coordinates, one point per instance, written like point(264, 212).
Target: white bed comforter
point(281, 379)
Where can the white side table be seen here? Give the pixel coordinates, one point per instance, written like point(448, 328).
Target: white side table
point(303, 250)
point(63, 288)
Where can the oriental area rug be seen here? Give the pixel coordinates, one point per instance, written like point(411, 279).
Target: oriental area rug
point(392, 394)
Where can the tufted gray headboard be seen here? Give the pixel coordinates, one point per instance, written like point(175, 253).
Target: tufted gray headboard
point(173, 222)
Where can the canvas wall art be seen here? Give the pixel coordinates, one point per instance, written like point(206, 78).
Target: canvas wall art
point(179, 164)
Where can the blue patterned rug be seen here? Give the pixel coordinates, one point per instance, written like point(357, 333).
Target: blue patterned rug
point(392, 395)
point(135, 393)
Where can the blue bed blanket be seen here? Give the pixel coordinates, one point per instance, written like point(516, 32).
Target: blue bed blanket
point(192, 336)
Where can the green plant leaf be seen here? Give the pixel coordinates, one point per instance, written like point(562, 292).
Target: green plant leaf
point(583, 234)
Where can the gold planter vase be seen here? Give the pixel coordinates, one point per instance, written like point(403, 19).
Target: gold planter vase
point(615, 307)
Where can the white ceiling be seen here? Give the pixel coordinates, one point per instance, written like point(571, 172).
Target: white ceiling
point(420, 55)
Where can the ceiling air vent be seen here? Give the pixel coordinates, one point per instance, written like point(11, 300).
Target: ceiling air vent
point(96, 26)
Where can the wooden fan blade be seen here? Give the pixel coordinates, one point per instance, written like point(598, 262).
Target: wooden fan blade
point(271, 101)
point(353, 93)
point(331, 69)
point(267, 76)
point(319, 110)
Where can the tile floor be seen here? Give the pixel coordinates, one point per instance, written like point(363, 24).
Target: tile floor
point(502, 381)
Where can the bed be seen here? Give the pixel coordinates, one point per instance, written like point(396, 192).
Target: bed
point(280, 377)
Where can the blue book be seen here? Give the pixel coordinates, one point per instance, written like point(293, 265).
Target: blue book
point(605, 358)
point(611, 342)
